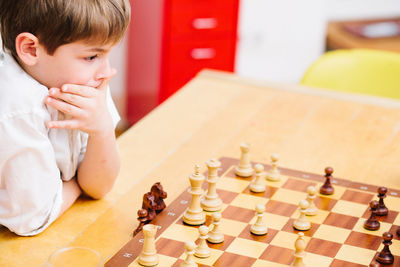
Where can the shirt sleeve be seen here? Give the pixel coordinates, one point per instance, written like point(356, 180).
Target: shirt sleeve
point(30, 183)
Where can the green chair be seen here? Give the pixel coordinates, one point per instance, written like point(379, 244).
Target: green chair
point(365, 71)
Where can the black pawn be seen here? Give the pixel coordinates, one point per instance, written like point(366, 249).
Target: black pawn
point(327, 188)
point(385, 256)
point(372, 223)
point(382, 209)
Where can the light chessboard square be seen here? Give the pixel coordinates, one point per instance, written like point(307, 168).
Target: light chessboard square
point(355, 254)
point(349, 208)
point(247, 247)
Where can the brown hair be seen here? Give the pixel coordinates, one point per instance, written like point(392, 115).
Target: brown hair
point(59, 22)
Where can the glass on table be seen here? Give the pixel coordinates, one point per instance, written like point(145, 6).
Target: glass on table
point(75, 256)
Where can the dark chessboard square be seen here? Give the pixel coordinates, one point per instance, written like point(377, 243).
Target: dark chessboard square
point(226, 196)
point(260, 238)
point(340, 263)
point(280, 208)
point(170, 247)
point(356, 196)
point(298, 185)
point(277, 254)
point(224, 245)
point(268, 193)
point(325, 203)
point(341, 220)
point(230, 259)
point(289, 228)
point(388, 218)
point(238, 214)
point(364, 240)
point(323, 247)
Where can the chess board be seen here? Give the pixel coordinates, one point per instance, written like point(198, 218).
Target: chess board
point(336, 238)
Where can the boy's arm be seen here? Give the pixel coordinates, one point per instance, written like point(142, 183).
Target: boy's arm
point(70, 192)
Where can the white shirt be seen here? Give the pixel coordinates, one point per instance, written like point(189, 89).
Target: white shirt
point(33, 158)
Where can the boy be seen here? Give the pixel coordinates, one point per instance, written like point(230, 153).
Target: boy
point(56, 116)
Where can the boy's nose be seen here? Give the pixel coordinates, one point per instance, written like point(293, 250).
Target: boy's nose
point(105, 71)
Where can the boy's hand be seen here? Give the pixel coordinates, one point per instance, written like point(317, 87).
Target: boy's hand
point(85, 105)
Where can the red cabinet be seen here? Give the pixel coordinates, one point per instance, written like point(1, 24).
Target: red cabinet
point(170, 41)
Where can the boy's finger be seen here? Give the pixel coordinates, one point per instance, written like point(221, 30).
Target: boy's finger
point(81, 90)
point(66, 124)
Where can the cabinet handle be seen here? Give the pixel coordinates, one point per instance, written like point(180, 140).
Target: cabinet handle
point(202, 53)
point(204, 23)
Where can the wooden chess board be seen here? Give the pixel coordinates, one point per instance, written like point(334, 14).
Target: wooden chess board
point(336, 238)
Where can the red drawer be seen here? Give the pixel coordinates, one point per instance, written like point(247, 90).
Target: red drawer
point(185, 59)
point(202, 4)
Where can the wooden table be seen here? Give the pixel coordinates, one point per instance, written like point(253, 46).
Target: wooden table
point(339, 38)
point(210, 117)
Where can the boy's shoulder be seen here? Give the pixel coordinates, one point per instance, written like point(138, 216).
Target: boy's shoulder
point(19, 92)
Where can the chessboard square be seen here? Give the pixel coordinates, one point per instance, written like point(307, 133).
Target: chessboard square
point(180, 232)
point(248, 201)
point(340, 263)
point(280, 208)
point(263, 263)
point(312, 259)
point(286, 239)
point(289, 196)
point(394, 247)
point(393, 230)
point(231, 227)
point(392, 203)
point(231, 259)
point(163, 261)
point(170, 247)
point(355, 254)
point(246, 233)
point(332, 233)
point(226, 196)
point(338, 193)
point(318, 218)
point(239, 214)
point(232, 185)
point(278, 254)
point(364, 240)
point(298, 185)
point(209, 261)
point(390, 218)
point(247, 247)
point(357, 196)
point(323, 247)
point(273, 221)
point(397, 220)
point(359, 227)
point(349, 208)
point(279, 183)
point(325, 203)
point(340, 220)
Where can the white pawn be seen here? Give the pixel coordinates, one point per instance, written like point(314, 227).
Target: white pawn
point(259, 227)
point(202, 250)
point(299, 254)
point(189, 251)
point(311, 195)
point(148, 256)
point(302, 222)
point(274, 174)
point(215, 236)
point(257, 185)
point(244, 168)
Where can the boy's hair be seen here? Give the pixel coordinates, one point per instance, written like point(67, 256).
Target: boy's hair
point(59, 22)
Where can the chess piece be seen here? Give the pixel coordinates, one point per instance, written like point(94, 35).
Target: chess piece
point(382, 210)
point(302, 222)
point(372, 223)
point(211, 201)
point(189, 251)
point(142, 218)
point(202, 250)
point(398, 231)
point(311, 195)
point(327, 188)
point(259, 227)
point(194, 214)
point(374, 264)
point(215, 236)
point(148, 256)
point(244, 168)
point(257, 185)
point(299, 253)
point(385, 256)
point(153, 201)
point(274, 174)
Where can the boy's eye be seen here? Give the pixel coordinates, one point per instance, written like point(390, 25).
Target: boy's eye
point(91, 58)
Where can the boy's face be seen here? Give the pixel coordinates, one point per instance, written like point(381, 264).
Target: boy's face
point(74, 63)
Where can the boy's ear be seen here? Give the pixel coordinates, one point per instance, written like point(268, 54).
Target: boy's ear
point(27, 45)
